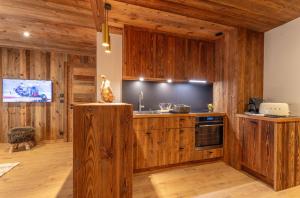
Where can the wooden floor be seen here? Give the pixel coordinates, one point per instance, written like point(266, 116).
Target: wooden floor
point(46, 172)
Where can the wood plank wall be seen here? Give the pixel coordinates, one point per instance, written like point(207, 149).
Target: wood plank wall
point(81, 84)
point(49, 119)
point(239, 76)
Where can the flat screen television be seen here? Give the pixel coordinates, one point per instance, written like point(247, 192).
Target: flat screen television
point(17, 90)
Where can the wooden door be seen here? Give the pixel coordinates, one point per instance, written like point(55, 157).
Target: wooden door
point(81, 84)
point(186, 144)
point(147, 149)
point(251, 145)
point(258, 147)
point(267, 150)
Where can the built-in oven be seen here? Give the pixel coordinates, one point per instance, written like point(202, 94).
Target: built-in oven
point(209, 132)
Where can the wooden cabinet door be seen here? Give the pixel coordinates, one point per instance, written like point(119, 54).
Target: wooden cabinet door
point(180, 59)
point(186, 144)
point(251, 144)
point(171, 146)
point(267, 149)
point(258, 146)
point(157, 56)
point(147, 148)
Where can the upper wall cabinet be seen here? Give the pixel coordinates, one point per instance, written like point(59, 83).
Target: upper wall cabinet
point(159, 56)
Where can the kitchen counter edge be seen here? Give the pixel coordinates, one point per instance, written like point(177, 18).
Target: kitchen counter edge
point(162, 115)
point(263, 118)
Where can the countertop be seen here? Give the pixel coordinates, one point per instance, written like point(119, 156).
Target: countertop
point(283, 119)
point(200, 114)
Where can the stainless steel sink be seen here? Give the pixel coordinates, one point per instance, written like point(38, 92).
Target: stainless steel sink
point(146, 112)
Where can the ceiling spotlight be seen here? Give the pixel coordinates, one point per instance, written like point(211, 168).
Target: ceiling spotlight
point(26, 34)
point(169, 81)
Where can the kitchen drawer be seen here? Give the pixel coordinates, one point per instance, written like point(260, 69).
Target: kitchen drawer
point(172, 123)
point(186, 122)
point(207, 154)
point(142, 124)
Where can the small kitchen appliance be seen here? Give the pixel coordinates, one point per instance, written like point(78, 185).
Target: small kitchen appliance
point(274, 109)
point(254, 104)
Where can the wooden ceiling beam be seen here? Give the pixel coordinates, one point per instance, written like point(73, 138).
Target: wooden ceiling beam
point(97, 7)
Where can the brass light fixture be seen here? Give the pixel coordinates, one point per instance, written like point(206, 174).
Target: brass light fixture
point(108, 48)
point(105, 28)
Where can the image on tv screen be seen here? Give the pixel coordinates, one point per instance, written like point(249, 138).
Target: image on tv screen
point(16, 90)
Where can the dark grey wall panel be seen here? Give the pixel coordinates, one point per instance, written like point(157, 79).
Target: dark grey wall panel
point(195, 95)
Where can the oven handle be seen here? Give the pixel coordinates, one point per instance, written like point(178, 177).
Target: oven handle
point(214, 125)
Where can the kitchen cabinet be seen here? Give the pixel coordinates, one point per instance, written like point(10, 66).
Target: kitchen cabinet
point(258, 147)
point(147, 146)
point(160, 56)
point(164, 141)
point(186, 144)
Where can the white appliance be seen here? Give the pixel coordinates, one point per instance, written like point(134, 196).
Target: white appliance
point(276, 109)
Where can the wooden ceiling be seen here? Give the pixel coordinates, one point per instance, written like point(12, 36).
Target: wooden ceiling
point(68, 25)
point(257, 15)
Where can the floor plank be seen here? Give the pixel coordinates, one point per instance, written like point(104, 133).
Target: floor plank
point(46, 171)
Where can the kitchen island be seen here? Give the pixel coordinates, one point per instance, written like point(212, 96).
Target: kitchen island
point(102, 150)
point(270, 149)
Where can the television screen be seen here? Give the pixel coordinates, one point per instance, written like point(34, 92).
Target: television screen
point(16, 90)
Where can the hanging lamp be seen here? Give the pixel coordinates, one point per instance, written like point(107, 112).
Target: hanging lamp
point(105, 27)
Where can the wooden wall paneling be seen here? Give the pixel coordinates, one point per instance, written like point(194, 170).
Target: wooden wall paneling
point(4, 105)
point(238, 76)
point(57, 114)
point(39, 62)
point(50, 119)
point(66, 101)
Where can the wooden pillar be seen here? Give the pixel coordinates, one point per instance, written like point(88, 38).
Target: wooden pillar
point(103, 163)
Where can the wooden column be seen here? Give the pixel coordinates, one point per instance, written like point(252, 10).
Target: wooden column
point(238, 76)
point(103, 164)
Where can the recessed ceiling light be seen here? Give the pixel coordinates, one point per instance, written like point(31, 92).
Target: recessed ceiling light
point(26, 34)
point(141, 79)
point(198, 81)
point(169, 81)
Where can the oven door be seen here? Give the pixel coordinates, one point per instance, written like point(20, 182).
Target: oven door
point(208, 136)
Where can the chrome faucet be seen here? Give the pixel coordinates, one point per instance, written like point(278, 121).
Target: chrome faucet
point(141, 97)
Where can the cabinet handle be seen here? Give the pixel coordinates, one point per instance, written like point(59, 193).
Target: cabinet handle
point(181, 131)
point(182, 119)
point(253, 122)
point(181, 148)
point(148, 133)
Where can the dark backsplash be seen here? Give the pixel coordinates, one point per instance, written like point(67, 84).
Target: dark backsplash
point(195, 95)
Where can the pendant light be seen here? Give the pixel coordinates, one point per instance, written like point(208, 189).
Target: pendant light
point(105, 27)
point(108, 48)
